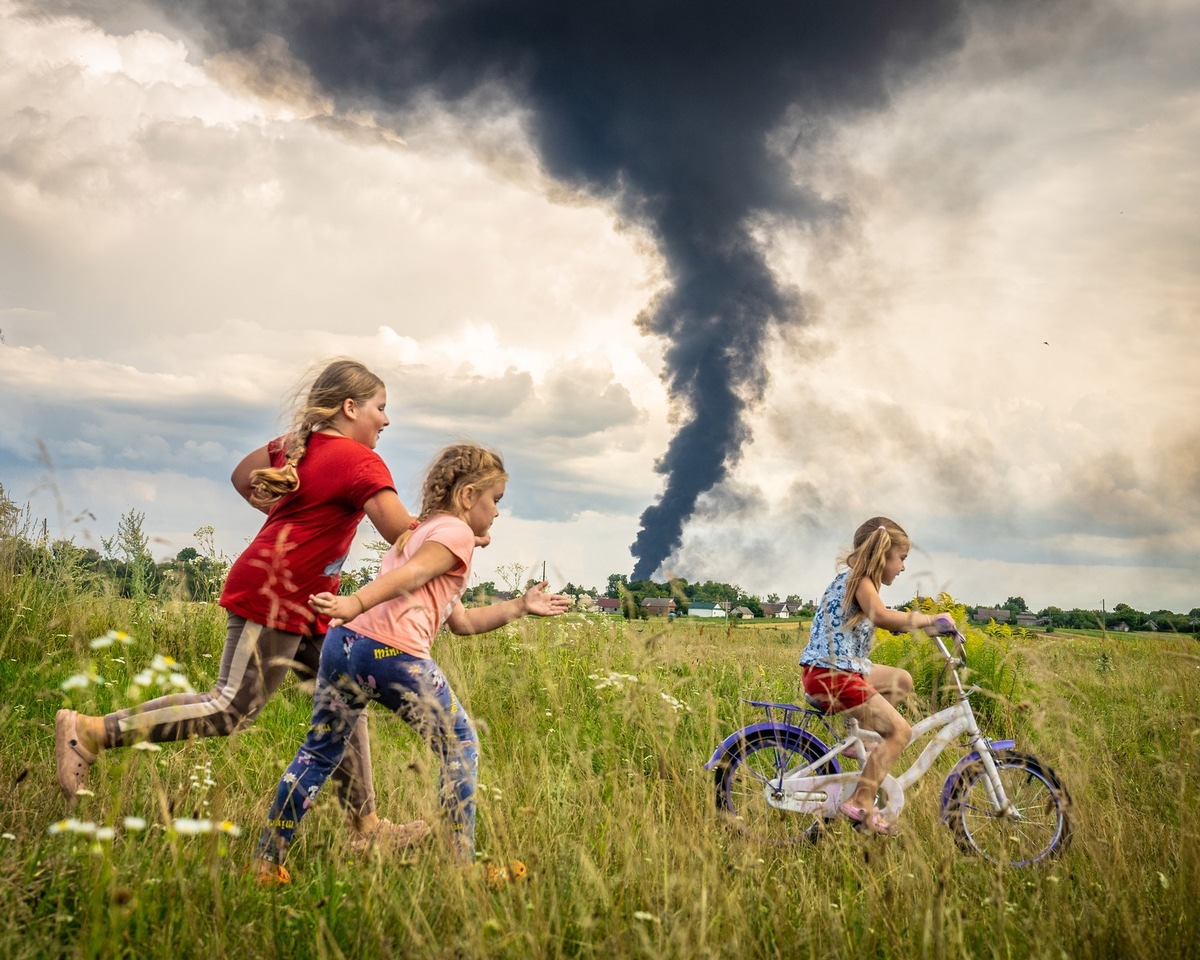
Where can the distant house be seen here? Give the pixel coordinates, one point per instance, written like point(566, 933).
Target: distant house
point(1121, 627)
point(781, 610)
point(658, 607)
point(701, 608)
point(1027, 619)
point(1150, 625)
point(745, 613)
point(608, 604)
point(999, 614)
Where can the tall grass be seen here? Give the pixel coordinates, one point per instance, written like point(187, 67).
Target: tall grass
point(596, 782)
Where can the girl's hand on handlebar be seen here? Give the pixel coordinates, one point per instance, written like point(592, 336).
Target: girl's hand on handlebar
point(943, 626)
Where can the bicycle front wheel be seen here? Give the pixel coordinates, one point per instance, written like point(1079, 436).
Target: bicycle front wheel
point(744, 784)
point(1036, 825)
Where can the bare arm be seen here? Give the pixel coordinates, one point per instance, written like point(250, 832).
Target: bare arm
point(388, 515)
point(431, 560)
point(897, 621)
point(259, 459)
point(482, 619)
point(391, 517)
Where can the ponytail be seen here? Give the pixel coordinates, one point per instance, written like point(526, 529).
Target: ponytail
point(872, 543)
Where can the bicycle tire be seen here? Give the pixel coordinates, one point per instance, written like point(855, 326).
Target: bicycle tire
point(742, 778)
point(1042, 827)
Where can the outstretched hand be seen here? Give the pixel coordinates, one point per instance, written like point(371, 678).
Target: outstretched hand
point(543, 604)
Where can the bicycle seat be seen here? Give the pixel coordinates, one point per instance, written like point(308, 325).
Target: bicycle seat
point(818, 706)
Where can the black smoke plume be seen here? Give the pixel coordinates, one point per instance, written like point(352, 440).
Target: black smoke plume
point(665, 105)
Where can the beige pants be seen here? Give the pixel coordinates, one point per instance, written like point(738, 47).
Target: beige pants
point(253, 665)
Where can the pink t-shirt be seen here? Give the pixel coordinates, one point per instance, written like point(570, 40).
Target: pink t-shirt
point(410, 623)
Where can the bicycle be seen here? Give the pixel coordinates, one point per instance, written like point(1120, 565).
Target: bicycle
point(781, 783)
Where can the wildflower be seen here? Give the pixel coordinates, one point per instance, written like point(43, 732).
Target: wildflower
point(113, 636)
point(146, 745)
point(81, 681)
point(134, 824)
point(612, 679)
point(188, 826)
point(643, 915)
point(676, 705)
point(72, 825)
point(84, 792)
point(105, 834)
point(7, 836)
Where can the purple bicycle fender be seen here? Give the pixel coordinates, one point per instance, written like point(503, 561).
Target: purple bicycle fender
point(730, 743)
point(948, 789)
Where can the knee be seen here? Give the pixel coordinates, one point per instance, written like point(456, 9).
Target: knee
point(901, 731)
point(904, 682)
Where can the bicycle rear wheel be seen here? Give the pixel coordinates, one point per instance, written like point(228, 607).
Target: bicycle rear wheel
point(743, 785)
point(1037, 825)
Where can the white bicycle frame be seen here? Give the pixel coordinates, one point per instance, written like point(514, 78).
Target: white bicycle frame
point(800, 791)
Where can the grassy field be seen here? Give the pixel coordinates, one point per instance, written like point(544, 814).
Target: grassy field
point(599, 788)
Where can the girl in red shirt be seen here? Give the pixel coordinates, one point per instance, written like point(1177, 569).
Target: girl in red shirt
point(315, 484)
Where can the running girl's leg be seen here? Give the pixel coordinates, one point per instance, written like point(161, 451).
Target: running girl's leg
point(418, 691)
point(353, 776)
point(337, 706)
point(253, 664)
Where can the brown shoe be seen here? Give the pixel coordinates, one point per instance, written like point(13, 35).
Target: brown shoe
point(392, 837)
point(72, 760)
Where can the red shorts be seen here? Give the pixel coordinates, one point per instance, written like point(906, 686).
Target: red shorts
point(836, 690)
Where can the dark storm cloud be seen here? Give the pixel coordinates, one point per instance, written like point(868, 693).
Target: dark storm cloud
point(663, 107)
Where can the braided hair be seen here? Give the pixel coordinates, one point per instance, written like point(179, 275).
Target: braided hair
point(457, 467)
point(341, 380)
point(872, 543)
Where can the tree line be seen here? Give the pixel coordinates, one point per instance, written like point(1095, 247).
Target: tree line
point(125, 565)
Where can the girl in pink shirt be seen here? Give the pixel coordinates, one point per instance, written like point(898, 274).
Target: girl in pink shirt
point(379, 645)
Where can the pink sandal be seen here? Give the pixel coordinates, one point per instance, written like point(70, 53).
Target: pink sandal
point(871, 820)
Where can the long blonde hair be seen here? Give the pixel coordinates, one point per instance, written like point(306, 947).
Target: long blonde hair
point(872, 543)
point(457, 467)
point(340, 380)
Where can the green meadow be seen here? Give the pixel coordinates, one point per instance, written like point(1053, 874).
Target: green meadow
point(593, 733)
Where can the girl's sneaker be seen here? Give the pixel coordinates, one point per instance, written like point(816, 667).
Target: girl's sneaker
point(267, 874)
point(501, 874)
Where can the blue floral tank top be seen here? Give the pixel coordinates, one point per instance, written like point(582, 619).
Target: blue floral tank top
point(830, 643)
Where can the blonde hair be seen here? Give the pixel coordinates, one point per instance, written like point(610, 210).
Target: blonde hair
point(457, 467)
point(873, 541)
point(340, 380)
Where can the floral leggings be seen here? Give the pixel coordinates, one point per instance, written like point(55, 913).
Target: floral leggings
point(354, 671)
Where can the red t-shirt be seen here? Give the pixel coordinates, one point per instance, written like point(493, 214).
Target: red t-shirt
point(306, 539)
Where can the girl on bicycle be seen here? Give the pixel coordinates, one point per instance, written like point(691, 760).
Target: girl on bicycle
point(380, 644)
point(314, 484)
point(835, 668)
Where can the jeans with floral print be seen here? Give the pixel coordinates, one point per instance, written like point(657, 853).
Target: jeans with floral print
point(356, 670)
